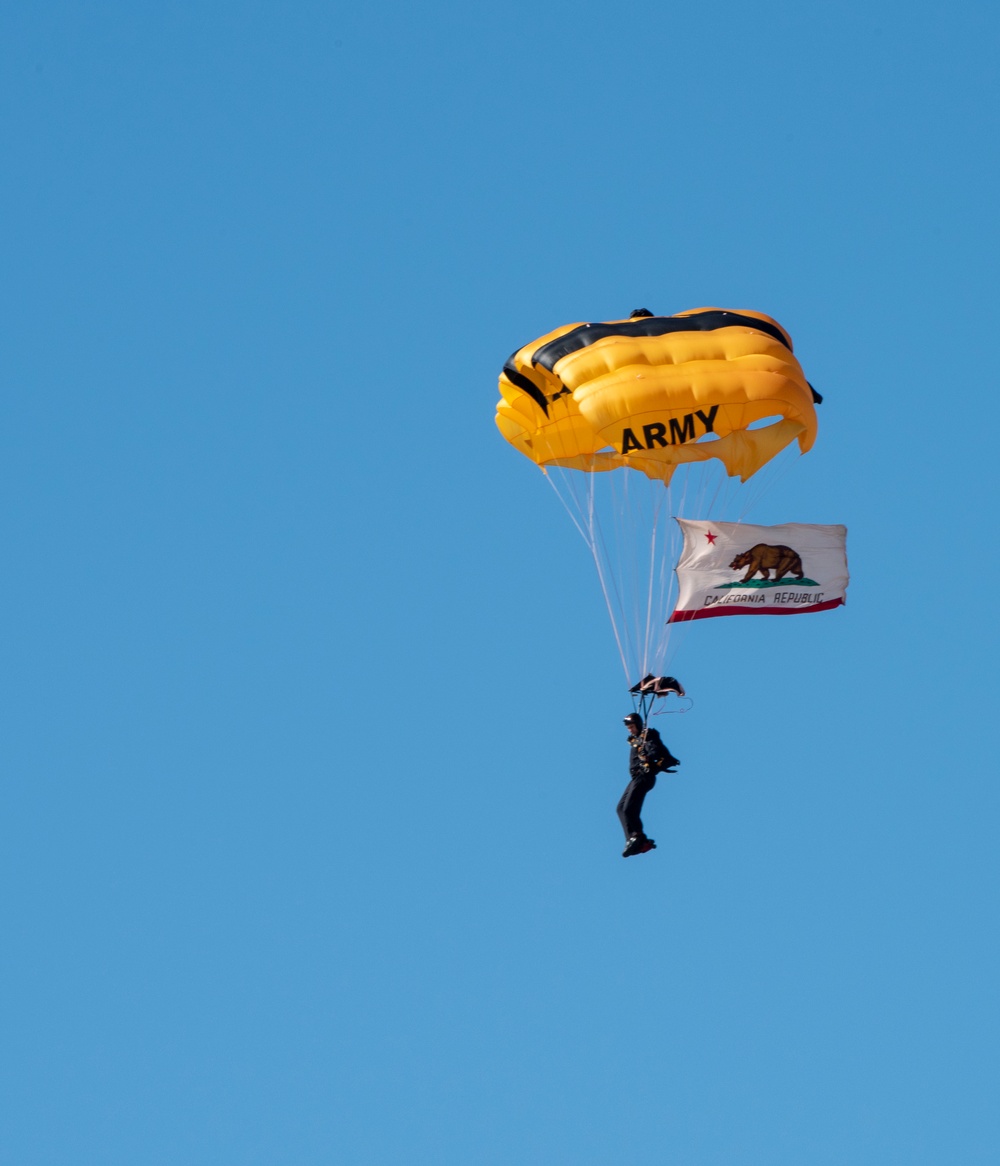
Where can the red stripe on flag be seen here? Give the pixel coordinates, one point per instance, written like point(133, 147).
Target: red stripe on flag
point(737, 609)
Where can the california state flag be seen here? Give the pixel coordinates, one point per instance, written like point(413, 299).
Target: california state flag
point(732, 568)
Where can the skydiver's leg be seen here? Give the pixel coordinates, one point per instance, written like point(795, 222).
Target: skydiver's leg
point(630, 806)
point(621, 811)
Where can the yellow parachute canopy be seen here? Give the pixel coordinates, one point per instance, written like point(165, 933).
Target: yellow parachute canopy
point(653, 391)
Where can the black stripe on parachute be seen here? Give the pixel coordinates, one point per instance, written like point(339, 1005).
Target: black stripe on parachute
point(550, 354)
point(522, 382)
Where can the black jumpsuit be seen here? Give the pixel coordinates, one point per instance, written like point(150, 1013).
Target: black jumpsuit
point(647, 756)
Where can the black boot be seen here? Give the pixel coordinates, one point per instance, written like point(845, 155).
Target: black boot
point(633, 845)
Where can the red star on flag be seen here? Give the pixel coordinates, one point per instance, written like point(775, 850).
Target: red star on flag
point(711, 537)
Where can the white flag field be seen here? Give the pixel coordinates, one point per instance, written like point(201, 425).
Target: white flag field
point(733, 568)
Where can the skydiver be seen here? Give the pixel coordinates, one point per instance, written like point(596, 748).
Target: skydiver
point(647, 757)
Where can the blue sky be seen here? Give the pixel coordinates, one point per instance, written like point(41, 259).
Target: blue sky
point(311, 710)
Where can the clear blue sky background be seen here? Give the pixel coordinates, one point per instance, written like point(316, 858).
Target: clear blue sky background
point(311, 712)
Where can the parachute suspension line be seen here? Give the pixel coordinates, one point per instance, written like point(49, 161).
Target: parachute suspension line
point(584, 521)
point(587, 526)
point(767, 478)
point(723, 489)
point(649, 592)
point(656, 500)
point(628, 555)
point(669, 633)
point(548, 477)
point(636, 571)
point(659, 567)
point(595, 540)
point(671, 550)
